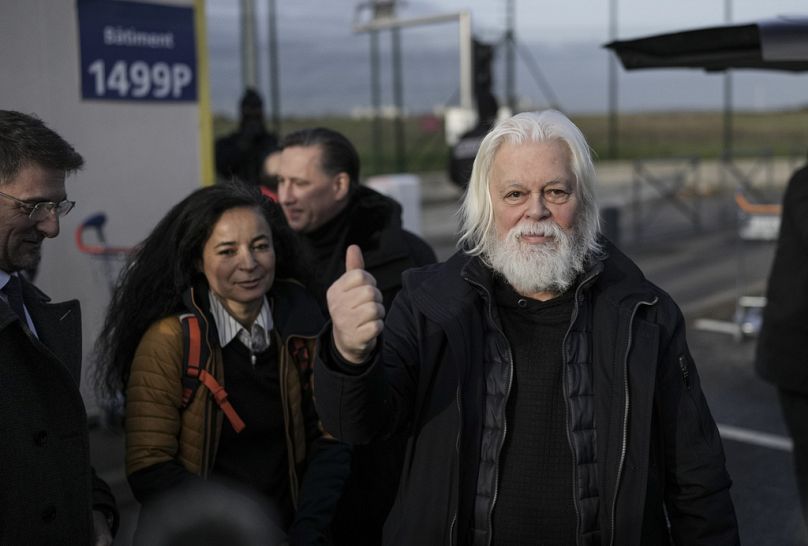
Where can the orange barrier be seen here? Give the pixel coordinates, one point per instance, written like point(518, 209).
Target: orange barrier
point(757, 208)
point(97, 221)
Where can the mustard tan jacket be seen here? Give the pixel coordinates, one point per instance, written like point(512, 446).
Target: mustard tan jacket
point(168, 445)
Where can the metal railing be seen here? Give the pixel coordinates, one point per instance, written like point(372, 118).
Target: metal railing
point(674, 181)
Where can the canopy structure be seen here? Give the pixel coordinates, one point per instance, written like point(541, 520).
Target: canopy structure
point(772, 44)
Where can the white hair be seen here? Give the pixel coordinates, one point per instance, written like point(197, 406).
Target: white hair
point(477, 213)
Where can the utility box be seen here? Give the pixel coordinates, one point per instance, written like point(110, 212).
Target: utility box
point(406, 189)
point(123, 82)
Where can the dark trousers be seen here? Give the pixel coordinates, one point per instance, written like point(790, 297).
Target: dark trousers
point(369, 493)
point(795, 413)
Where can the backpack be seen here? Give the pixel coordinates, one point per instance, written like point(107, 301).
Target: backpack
point(195, 354)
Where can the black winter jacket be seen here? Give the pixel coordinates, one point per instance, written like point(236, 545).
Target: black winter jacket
point(640, 431)
point(782, 354)
point(373, 221)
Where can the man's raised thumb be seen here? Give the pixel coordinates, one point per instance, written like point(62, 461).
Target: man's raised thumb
point(353, 258)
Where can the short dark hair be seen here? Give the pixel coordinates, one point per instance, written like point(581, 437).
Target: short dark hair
point(25, 140)
point(338, 154)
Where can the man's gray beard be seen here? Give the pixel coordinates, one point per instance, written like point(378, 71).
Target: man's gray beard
point(534, 268)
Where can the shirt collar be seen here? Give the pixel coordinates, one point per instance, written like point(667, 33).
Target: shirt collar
point(229, 328)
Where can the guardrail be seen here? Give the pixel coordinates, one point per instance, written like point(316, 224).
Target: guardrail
point(674, 180)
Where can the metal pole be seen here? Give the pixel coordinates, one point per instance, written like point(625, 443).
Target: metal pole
point(464, 21)
point(728, 115)
point(398, 101)
point(728, 94)
point(274, 69)
point(249, 68)
point(613, 121)
point(466, 100)
point(376, 102)
point(510, 56)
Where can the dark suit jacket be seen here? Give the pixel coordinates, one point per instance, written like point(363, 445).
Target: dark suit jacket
point(47, 487)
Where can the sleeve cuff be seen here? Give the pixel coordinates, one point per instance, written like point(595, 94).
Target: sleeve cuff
point(343, 366)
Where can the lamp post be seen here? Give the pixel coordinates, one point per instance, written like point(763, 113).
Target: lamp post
point(249, 68)
point(613, 120)
point(728, 93)
point(274, 82)
point(510, 55)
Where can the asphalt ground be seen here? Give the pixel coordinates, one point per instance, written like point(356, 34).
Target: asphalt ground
point(705, 267)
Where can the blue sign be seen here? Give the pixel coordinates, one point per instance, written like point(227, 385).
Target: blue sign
point(137, 52)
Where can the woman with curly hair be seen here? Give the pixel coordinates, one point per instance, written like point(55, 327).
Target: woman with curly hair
point(225, 256)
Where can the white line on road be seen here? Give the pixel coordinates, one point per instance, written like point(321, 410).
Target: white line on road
point(763, 439)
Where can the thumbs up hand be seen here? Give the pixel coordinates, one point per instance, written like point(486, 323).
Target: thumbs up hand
point(355, 306)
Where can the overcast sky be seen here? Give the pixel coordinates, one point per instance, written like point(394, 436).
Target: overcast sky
point(324, 65)
point(551, 19)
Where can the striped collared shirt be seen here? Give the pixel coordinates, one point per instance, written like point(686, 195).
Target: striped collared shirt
point(257, 341)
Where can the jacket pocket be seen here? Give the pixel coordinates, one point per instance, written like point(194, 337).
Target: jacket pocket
point(700, 432)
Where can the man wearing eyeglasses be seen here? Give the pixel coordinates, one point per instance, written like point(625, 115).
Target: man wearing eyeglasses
point(544, 385)
point(49, 494)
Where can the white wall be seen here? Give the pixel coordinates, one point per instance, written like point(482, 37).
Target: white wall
point(140, 158)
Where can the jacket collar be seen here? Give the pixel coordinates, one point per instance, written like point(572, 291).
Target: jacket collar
point(375, 225)
point(621, 281)
point(294, 312)
point(58, 326)
point(609, 273)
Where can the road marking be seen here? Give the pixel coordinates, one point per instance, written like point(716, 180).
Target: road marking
point(763, 439)
point(718, 326)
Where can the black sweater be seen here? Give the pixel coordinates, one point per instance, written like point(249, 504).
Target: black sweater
point(535, 485)
point(256, 456)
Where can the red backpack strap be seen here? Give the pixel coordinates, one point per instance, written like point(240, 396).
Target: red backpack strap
point(195, 354)
point(192, 356)
point(220, 395)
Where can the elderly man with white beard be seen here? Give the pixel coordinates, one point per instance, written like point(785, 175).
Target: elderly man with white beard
point(545, 386)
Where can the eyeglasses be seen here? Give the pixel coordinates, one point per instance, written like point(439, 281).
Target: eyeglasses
point(41, 210)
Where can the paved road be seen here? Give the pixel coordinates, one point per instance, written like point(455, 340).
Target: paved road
point(700, 269)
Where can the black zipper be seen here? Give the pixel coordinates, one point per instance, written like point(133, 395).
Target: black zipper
point(457, 451)
point(623, 445)
point(489, 304)
point(574, 317)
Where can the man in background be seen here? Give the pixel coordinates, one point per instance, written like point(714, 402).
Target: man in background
point(782, 350)
point(241, 154)
point(318, 188)
point(49, 492)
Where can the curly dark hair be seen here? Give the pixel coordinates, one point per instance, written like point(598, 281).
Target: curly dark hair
point(165, 265)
